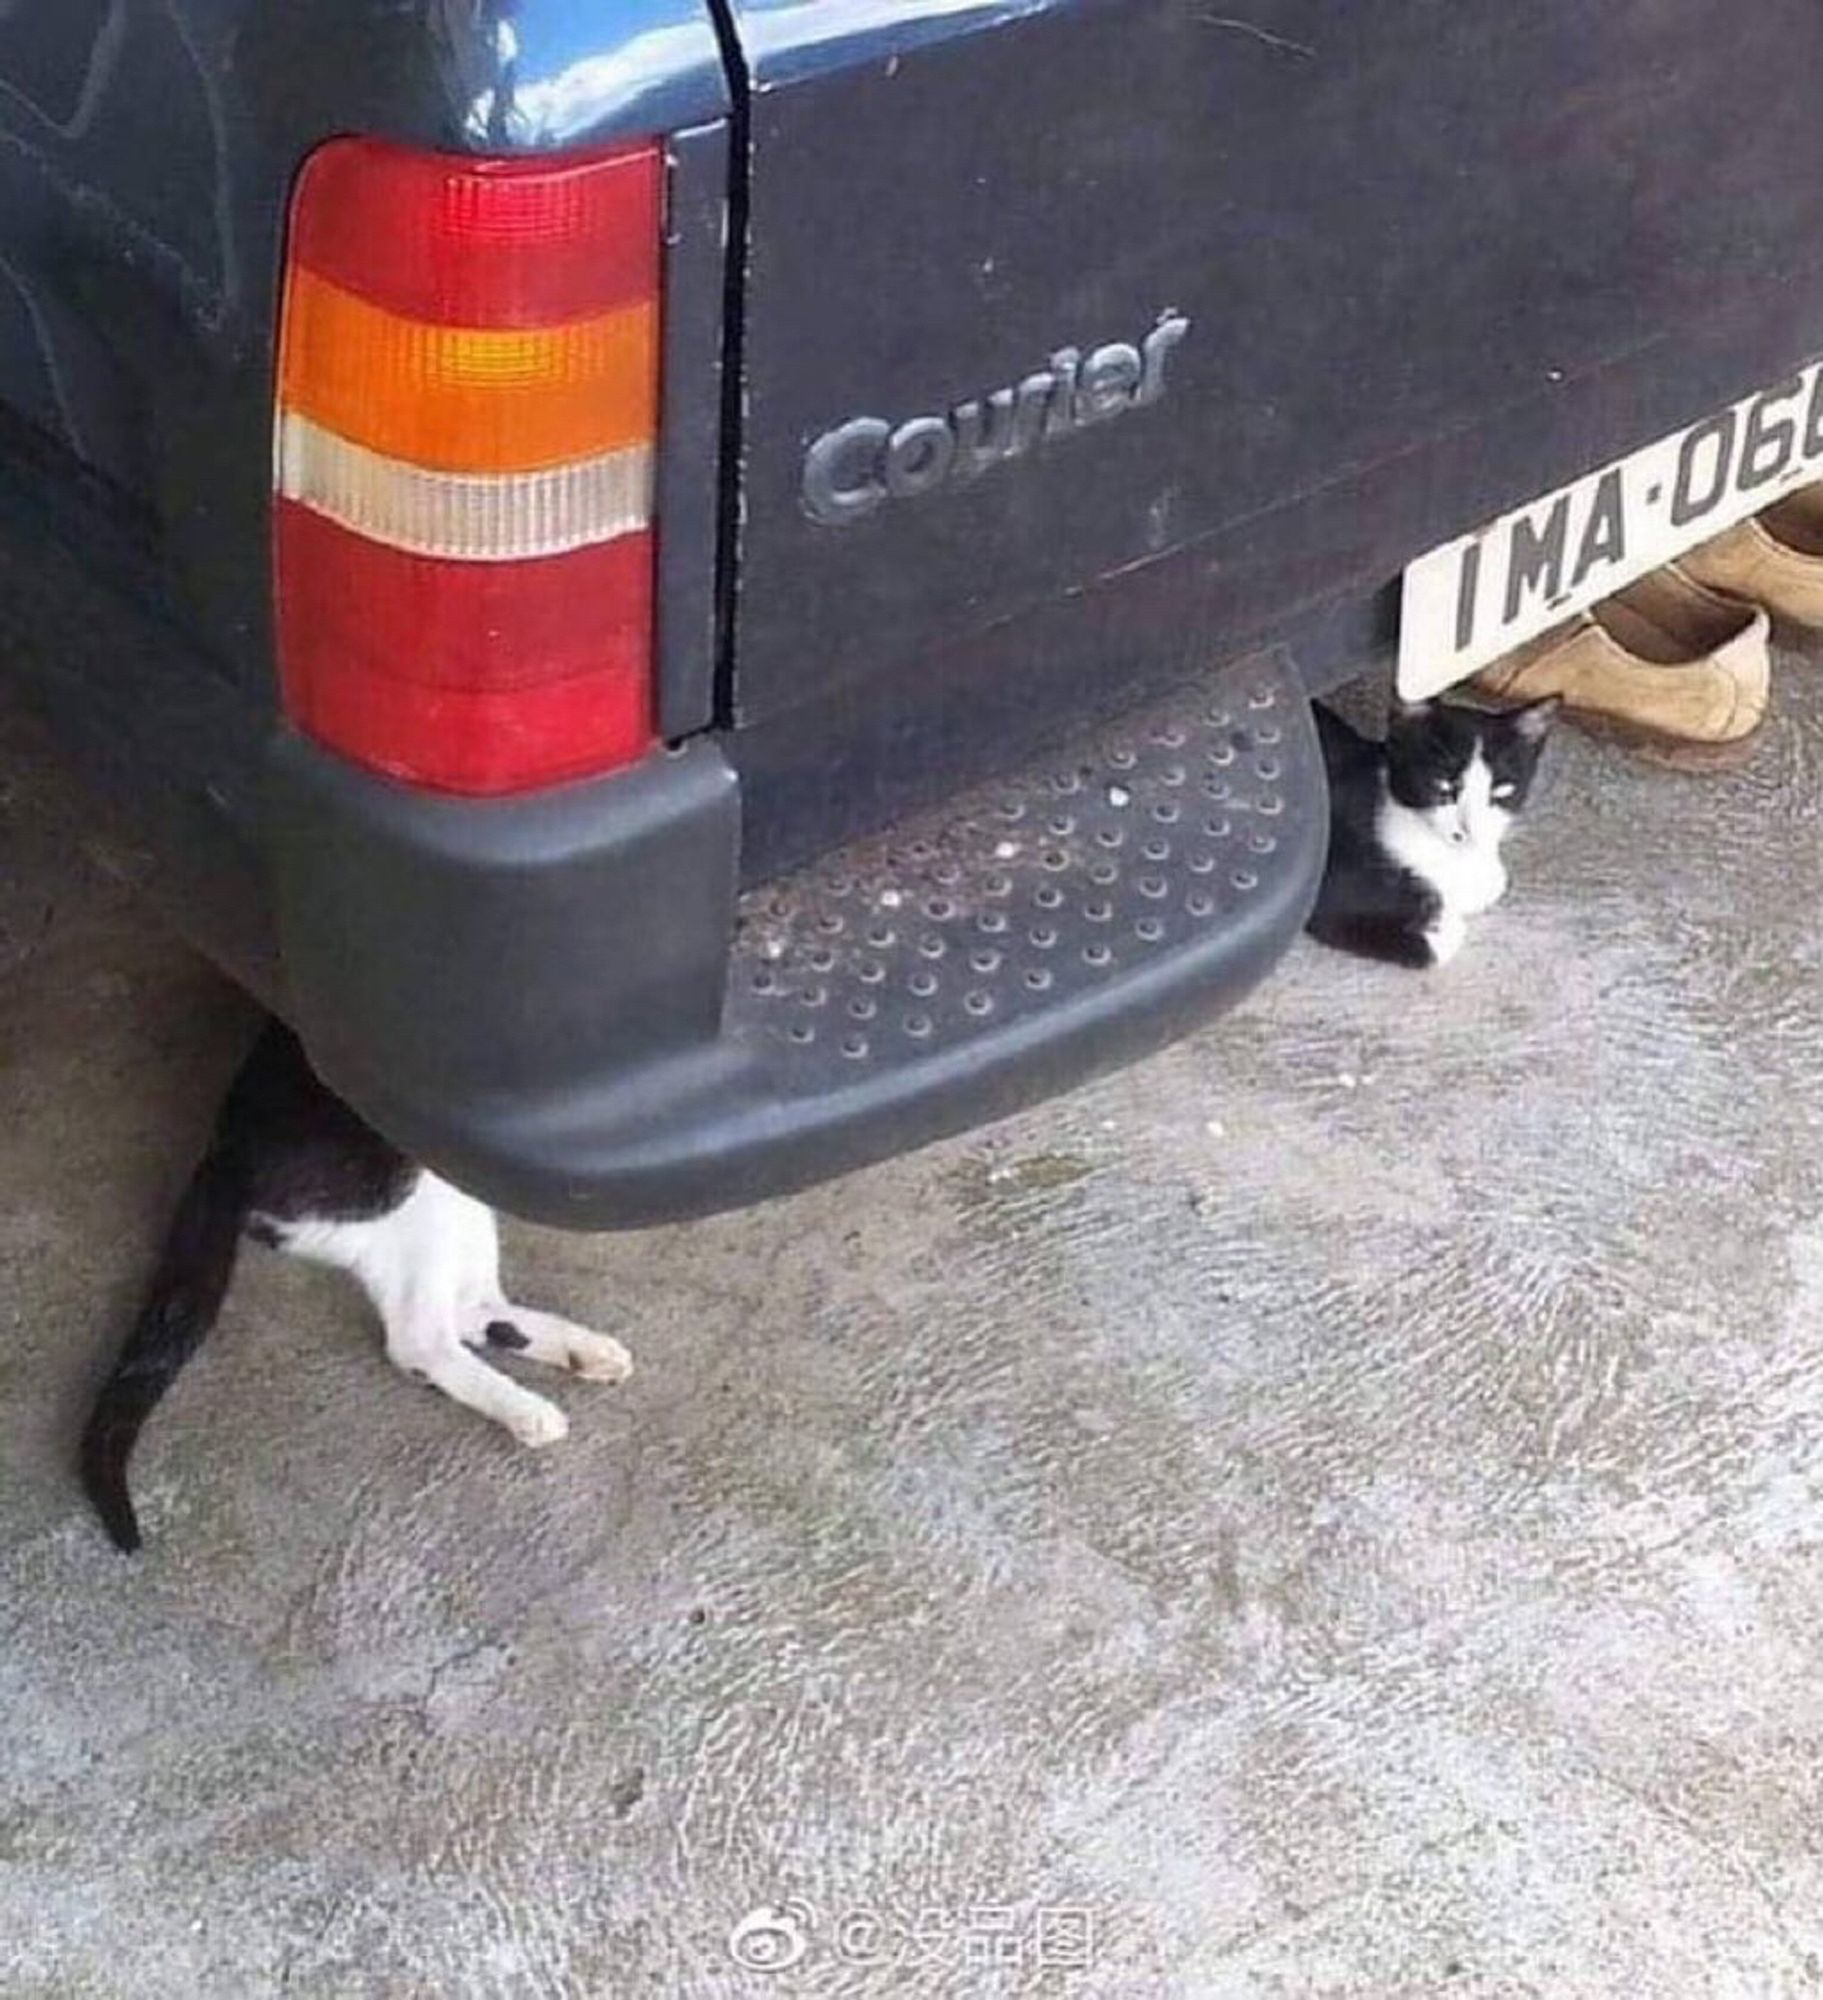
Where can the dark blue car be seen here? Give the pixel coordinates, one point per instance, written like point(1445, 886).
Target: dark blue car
point(701, 593)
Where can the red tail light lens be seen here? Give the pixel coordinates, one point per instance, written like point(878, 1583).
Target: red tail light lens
point(468, 408)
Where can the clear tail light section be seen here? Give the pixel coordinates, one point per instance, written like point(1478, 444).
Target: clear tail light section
point(467, 415)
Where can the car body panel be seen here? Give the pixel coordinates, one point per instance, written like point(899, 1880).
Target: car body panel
point(1552, 230)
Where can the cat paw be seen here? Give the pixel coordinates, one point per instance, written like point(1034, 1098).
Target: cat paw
point(544, 1423)
point(1446, 937)
point(555, 1342)
point(447, 1364)
point(594, 1356)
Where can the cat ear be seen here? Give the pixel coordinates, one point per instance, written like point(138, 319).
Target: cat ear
point(1536, 717)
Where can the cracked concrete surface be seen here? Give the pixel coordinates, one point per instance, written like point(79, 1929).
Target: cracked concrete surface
point(1339, 1504)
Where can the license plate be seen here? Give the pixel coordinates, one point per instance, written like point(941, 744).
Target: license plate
point(1476, 598)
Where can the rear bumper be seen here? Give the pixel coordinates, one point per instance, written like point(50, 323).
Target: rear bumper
point(565, 1003)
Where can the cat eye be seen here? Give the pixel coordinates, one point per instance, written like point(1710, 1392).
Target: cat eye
point(1503, 791)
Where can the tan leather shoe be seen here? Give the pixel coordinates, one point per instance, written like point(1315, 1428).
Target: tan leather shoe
point(1674, 670)
point(1775, 560)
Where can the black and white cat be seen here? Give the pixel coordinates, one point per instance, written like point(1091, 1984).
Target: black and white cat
point(291, 1166)
point(1417, 822)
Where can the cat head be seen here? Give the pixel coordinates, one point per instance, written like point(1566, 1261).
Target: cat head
point(1466, 770)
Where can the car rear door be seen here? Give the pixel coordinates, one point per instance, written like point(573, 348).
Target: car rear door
point(1409, 262)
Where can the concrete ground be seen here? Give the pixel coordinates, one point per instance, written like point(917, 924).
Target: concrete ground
point(1335, 1510)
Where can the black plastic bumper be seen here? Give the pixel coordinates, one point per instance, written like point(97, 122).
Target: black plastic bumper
point(564, 1004)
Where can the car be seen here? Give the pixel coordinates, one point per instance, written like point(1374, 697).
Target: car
point(699, 594)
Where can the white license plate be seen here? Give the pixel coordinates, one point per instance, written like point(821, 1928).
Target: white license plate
point(1476, 598)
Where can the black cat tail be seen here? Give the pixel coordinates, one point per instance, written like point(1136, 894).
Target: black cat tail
point(181, 1305)
point(1391, 940)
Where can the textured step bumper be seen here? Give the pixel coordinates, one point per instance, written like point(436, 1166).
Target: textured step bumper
point(1144, 858)
point(1028, 934)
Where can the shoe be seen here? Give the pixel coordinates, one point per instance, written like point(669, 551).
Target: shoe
point(1775, 559)
point(1676, 671)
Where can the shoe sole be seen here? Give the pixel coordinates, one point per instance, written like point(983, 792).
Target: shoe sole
point(1671, 753)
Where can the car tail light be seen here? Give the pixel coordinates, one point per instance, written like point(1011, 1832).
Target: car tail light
point(467, 410)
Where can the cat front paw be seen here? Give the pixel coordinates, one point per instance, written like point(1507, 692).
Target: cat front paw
point(544, 1423)
point(554, 1342)
point(1446, 937)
